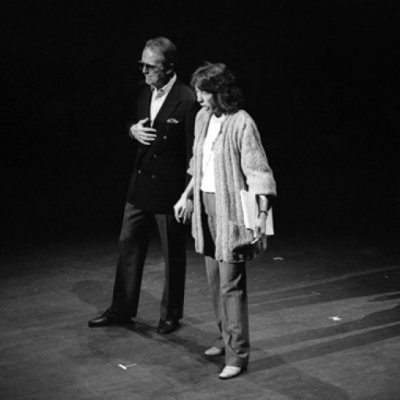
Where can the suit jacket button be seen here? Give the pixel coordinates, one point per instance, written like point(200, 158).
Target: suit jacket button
point(139, 171)
point(165, 137)
point(154, 155)
point(153, 177)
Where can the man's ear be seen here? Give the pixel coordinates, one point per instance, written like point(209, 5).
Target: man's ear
point(170, 69)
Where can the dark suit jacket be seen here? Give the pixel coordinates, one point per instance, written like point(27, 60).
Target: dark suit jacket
point(159, 176)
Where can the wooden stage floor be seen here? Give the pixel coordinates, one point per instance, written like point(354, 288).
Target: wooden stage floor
point(324, 320)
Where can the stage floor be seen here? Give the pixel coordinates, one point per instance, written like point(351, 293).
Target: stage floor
point(324, 324)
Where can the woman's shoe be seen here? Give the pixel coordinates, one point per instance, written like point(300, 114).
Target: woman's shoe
point(214, 351)
point(230, 371)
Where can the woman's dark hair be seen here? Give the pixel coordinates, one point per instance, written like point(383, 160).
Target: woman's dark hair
point(221, 82)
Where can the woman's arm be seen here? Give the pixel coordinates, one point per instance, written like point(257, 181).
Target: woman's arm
point(262, 200)
point(184, 206)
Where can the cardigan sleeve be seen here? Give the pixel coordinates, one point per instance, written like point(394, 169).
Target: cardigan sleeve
point(254, 162)
point(201, 120)
point(190, 170)
point(189, 131)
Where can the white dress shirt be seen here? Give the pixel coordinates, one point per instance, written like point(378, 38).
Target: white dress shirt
point(158, 97)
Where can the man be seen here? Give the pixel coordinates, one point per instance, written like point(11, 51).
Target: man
point(166, 110)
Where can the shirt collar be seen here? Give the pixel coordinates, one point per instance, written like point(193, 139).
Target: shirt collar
point(165, 89)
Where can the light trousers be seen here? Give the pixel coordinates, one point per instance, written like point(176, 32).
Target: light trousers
point(228, 288)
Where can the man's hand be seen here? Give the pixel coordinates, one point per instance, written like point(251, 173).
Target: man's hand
point(183, 210)
point(142, 133)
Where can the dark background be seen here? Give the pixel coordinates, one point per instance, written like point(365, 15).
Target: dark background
point(319, 78)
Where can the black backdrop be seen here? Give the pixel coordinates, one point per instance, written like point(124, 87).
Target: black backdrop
point(319, 78)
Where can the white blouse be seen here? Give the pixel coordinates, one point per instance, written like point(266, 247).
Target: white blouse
point(208, 179)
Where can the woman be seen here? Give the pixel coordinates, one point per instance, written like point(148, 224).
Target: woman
point(227, 157)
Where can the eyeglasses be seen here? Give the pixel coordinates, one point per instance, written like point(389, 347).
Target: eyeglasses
point(148, 67)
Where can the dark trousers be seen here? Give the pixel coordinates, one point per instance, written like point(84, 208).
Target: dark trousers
point(228, 288)
point(133, 246)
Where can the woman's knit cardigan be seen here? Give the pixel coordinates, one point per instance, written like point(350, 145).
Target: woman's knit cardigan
point(240, 162)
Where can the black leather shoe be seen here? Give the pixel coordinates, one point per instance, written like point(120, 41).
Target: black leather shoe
point(167, 326)
point(109, 318)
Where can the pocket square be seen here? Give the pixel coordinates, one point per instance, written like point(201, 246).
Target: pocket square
point(172, 121)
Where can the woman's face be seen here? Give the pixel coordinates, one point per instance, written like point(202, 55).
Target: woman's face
point(206, 100)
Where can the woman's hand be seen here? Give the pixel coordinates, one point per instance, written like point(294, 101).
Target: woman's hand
point(183, 210)
point(261, 225)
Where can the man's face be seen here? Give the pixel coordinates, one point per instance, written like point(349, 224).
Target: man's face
point(152, 67)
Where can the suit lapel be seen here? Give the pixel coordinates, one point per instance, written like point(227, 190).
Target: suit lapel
point(169, 105)
point(143, 111)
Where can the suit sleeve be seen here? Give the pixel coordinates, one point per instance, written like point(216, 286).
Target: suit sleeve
point(132, 116)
